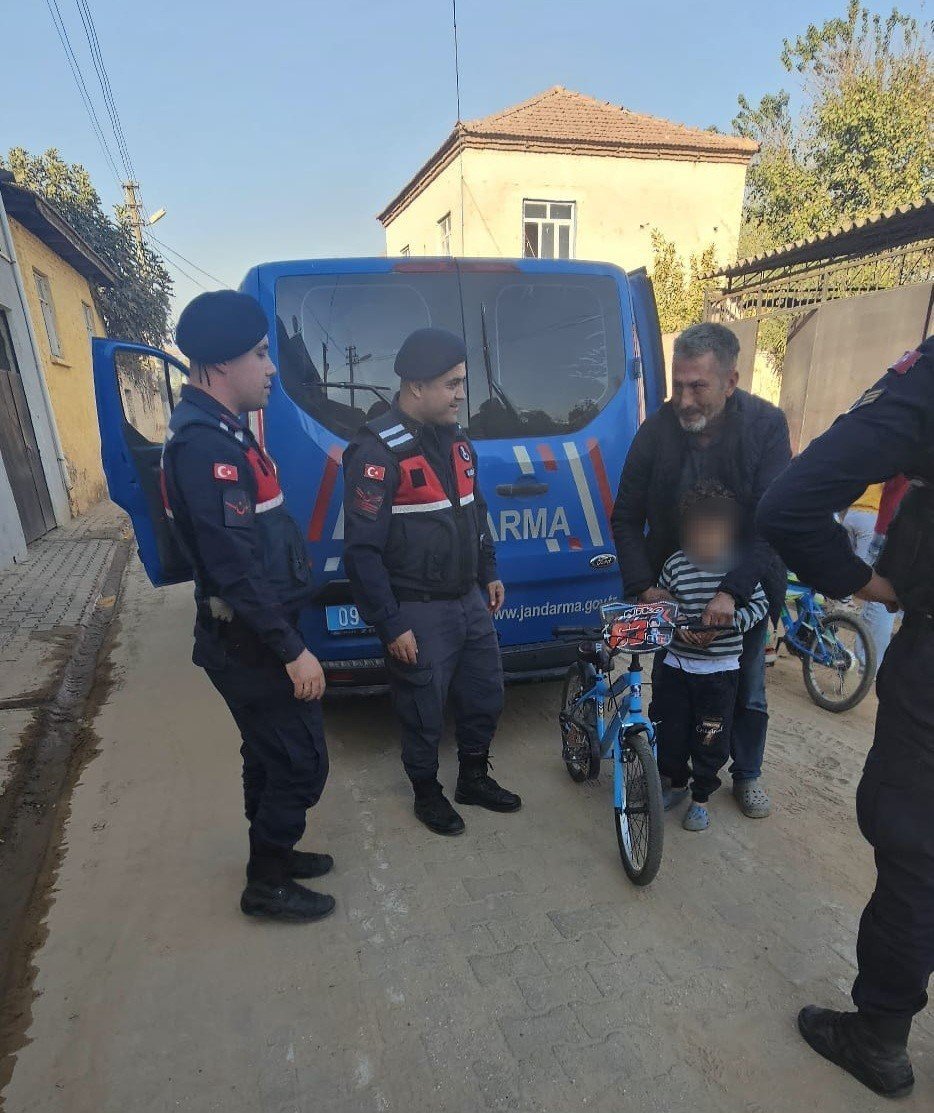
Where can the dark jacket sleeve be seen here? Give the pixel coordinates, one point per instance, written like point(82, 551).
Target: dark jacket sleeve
point(628, 519)
point(221, 518)
point(881, 436)
point(774, 458)
point(486, 568)
point(367, 516)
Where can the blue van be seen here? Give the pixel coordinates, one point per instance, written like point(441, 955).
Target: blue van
point(564, 361)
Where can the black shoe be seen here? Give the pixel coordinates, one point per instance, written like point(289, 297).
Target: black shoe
point(476, 786)
point(304, 863)
point(852, 1041)
point(285, 901)
point(434, 809)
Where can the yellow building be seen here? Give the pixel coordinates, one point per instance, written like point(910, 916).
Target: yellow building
point(566, 176)
point(60, 273)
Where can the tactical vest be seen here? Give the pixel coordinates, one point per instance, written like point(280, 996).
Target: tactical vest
point(282, 547)
point(433, 548)
point(907, 558)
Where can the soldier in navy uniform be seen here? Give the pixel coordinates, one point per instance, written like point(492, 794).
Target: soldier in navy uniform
point(889, 431)
point(423, 572)
point(251, 580)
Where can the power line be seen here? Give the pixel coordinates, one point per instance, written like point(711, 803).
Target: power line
point(62, 32)
point(457, 72)
point(97, 58)
point(178, 254)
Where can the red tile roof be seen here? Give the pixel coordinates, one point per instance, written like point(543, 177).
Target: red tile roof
point(560, 120)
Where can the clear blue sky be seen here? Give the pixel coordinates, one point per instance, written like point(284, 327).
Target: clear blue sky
point(279, 128)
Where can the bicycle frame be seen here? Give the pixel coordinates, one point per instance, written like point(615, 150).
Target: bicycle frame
point(809, 616)
point(628, 718)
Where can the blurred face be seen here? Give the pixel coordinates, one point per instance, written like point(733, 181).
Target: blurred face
point(708, 541)
point(699, 390)
point(438, 401)
point(249, 378)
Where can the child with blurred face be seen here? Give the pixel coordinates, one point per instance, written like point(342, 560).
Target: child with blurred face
point(696, 685)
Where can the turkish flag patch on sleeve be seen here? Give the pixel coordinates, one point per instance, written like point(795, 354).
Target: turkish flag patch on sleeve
point(374, 471)
point(226, 472)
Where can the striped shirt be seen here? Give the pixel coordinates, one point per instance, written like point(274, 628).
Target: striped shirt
point(693, 588)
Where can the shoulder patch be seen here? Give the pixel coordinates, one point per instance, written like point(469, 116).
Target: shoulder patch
point(908, 360)
point(367, 502)
point(867, 398)
point(238, 509)
point(374, 471)
point(226, 472)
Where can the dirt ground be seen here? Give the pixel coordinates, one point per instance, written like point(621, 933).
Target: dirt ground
point(514, 968)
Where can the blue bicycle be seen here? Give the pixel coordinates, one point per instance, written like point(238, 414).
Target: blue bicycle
point(602, 719)
point(838, 657)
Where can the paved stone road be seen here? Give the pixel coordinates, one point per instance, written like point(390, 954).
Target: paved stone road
point(44, 603)
point(513, 968)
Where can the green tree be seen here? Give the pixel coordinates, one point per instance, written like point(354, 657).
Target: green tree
point(679, 290)
point(137, 306)
point(863, 138)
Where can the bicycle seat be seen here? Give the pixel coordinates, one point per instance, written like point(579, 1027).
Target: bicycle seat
point(594, 653)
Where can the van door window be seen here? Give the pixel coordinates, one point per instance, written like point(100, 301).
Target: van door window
point(545, 352)
point(149, 390)
point(338, 336)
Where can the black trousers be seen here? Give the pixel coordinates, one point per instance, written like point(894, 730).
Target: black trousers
point(458, 656)
point(694, 713)
point(895, 809)
point(285, 756)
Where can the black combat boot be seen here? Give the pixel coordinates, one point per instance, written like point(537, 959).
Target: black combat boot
point(270, 892)
point(873, 1049)
point(476, 786)
point(305, 863)
point(434, 809)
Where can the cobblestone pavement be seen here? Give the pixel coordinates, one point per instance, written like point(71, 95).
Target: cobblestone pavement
point(44, 602)
point(513, 968)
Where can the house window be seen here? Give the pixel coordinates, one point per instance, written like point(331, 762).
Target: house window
point(548, 229)
point(405, 251)
point(88, 320)
point(48, 313)
point(444, 232)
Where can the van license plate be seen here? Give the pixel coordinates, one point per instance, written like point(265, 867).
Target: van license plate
point(345, 619)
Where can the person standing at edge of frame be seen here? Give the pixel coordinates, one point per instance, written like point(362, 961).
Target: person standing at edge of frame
point(888, 431)
point(251, 580)
point(423, 572)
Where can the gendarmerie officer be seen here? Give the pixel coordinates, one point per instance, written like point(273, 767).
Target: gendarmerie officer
point(423, 572)
point(251, 579)
point(889, 431)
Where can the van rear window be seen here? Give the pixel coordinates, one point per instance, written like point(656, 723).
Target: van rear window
point(545, 352)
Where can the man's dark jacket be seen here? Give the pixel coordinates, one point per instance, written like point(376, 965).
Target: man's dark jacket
point(752, 450)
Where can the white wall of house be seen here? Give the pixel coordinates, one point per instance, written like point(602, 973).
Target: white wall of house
point(618, 202)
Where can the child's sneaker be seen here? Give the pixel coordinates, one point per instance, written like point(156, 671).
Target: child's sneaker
point(696, 818)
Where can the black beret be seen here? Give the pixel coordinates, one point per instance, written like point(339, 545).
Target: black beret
point(428, 353)
point(220, 325)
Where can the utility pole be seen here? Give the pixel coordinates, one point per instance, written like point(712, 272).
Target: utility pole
point(131, 201)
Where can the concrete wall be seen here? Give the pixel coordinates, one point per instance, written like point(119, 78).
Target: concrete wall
point(746, 332)
point(12, 542)
point(69, 378)
point(843, 348)
point(618, 202)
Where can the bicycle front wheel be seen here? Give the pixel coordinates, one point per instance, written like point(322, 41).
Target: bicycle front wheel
point(640, 822)
point(844, 676)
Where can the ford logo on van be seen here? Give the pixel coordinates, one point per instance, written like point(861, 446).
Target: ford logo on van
point(602, 560)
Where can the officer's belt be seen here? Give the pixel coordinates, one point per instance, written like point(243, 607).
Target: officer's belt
point(406, 595)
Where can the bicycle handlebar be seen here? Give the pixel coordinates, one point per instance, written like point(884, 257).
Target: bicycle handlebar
point(597, 631)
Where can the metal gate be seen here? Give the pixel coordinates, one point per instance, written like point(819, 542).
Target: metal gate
point(18, 445)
